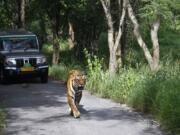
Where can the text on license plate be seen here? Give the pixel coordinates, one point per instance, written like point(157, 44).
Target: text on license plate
point(27, 69)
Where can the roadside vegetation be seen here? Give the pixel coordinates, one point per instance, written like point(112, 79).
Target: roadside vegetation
point(2, 119)
point(68, 61)
point(135, 84)
point(155, 93)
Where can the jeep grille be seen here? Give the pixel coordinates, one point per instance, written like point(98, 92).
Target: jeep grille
point(21, 62)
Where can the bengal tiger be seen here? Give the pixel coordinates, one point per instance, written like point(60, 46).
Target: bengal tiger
point(75, 84)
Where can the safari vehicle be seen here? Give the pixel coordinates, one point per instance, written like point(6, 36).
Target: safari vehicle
point(20, 56)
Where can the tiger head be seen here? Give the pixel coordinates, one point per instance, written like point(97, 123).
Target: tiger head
point(79, 82)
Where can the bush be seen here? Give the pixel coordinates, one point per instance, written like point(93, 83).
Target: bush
point(156, 93)
point(61, 71)
point(66, 54)
point(2, 119)
point(167, 105)
point(167, 102)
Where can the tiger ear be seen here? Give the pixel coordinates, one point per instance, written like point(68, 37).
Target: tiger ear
point(77, 77)
point(83, 77)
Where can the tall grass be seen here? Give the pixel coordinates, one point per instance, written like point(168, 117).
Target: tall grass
point(156, 93)
point(59, 72)
point(2, 119)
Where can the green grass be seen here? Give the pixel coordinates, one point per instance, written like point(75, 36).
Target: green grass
point(155, 93)
point(2, 119)
point(60, 72)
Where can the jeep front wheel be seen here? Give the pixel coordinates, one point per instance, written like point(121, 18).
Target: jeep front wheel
point(44, 78)
point(3, 78)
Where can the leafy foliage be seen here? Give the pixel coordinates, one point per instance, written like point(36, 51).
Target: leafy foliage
point(145, 91)
point(164, 9)
point(2, 119)
point(156, 8)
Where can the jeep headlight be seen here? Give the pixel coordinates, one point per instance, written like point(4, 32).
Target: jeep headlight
point(41, 60)
point(10, 61)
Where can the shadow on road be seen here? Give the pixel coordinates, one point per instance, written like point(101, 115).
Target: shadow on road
point(31, 93)
point(40, 105)
point(111, 114)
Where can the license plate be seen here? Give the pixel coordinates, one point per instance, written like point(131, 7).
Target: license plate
point(27, 69)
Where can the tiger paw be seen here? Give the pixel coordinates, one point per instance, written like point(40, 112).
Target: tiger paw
point(70, 112)
point(76, 114)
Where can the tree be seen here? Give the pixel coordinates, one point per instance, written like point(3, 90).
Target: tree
point(85, 26)
point(21, 14)
point(114, 36)
point(8, 14)
point(54, 10)
point(5, 15)
point(54, 16)
point(154, 11)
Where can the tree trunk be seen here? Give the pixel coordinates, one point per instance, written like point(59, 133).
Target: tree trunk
point(153, 60)
point(124, 40)
point(21, 22)
point(138, 36)
point(112, 51)
point(119, 56)
point(71, 36)
point(55, 23)
point(43, 34)
point(155, 42)
point(55, 59)
point(118, 45)
point(112, 62)
point(113, 38)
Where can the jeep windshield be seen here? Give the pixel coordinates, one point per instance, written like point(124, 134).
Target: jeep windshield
point(24, 43)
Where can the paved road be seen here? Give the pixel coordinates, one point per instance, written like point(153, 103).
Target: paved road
point(41, 109)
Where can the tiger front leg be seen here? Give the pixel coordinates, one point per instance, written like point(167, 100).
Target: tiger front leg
point(73, 107)
point(78, 98)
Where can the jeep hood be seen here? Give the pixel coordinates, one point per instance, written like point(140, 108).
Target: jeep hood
point(22, 54)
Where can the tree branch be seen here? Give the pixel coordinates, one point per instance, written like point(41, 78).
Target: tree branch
point(155, 42)
point(138, 36)
point(106, 7)
point(121, 22)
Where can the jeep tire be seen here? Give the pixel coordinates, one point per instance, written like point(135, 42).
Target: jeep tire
point(44, 78)
point(3, 78)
